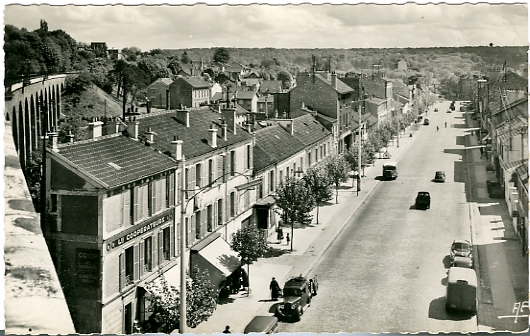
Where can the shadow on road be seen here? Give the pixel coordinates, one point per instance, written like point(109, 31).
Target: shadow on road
point(275, 252)
point(437, 311)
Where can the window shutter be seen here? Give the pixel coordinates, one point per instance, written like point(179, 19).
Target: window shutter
point(136, 207)
point(154, 251)
point(122, 271)
point(204, 222)
point(251, 157)
point(245, 158)
point(141, 253)
point(178, 187)
point(126, 197)
point(160, 247)
point(170, 190)
point(192, 179)
point(172, 244)
point(228, 166)
point(191, 228)
point(136, 262)
point(220, 167)
point(151, 187)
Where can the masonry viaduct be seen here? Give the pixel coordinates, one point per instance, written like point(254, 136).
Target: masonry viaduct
point(26, 106)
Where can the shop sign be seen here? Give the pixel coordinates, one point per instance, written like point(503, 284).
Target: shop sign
point(87, 267)
point(135, 232)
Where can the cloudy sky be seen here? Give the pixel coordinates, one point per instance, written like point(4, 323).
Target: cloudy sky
point(281, 26)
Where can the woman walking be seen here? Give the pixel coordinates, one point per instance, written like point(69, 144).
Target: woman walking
point(275, 289)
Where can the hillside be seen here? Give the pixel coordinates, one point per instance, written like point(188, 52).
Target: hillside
point(93, 102)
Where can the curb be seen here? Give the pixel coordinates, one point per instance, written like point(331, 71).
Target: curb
point(326, 247)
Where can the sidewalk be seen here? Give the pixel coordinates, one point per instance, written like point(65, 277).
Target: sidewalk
point(309, 245)
point(500, 265)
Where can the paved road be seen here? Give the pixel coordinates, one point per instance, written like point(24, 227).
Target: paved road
point(387, 270)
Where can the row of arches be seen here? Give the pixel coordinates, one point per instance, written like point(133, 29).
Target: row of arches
point(35, 112)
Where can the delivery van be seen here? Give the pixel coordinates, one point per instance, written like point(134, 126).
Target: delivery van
point(461, 290)
point(390, 171)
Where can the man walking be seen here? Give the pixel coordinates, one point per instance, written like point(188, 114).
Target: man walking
point(288, 238)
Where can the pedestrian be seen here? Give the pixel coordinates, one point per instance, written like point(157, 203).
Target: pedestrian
point(288, 238)
point(227, 330)
point(279, 234)
point(275, 289)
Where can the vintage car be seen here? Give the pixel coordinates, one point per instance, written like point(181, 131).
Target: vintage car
point(426, 121)
point(297, 294)
point(262, 324)
point(461, 248)
point(423, 200)
point(439, 176)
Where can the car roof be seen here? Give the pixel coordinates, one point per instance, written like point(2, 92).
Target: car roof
point(461, 241)
point(440, 172)
point(460, 273)
point(260, 324)
point(297, 282)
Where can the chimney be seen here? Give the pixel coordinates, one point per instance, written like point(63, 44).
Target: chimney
point(70, 137)
point(132, 128)
point(177, 148)
point(95, 128)
point(229, 115)
point(150, 135)
point(183, 115)
point(224, 129)
point(53, 137)
point(334, 80)
point(213, 136)
point(112, 126)
point(303, 105)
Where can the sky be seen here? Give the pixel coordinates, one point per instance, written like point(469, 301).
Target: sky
point(282, 26)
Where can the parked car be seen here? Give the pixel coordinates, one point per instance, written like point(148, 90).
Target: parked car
point(297, 294)
point(426, 121)
point(439, 176)
point(448, 111)
point(461, 292)
point(461, 248)
point(436, 110)
point(465, 262)
point(423, 200)
point(262, 324)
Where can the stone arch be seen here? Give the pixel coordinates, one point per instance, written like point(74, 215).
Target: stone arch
point(21, 135)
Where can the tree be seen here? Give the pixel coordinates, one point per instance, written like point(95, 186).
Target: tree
point(185, 59)
point(221, 55)
point(201, 301)
point(320, 185)
point(33, 176)
point(337, 169)
point(286, 78)
point(250, 245)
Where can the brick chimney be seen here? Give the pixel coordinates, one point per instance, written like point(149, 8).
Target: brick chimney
point(95, 129)
point(213, 136)
point(132, 128)
point(334, 80)
point(150, 136)
point(224, 130)
point(229, 115)
point(176, 144)
point(183, 115)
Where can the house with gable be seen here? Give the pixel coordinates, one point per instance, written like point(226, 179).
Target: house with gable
point(158, 92)
point(189, 92)
point(247, 100)
point(328, 95)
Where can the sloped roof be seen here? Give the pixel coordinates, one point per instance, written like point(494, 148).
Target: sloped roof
point(196, 137)
point(308, 130)
point(271, 86)
point(274, 144)
point(341, 87)
point(165, 81)
point(269, 98)
point(197, 82)
point(513, 107)
point(245, 94)
point(251, 81)
point(114, 160)
point(377, 101)
point(217, 96)
point(522, 171)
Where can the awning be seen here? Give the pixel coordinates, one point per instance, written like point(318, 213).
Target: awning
point(171, 276)
point(215, 255)
point(266, 202)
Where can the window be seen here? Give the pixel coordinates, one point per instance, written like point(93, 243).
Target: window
point(129, 266)
point(141, 202)
point(198, 175)
point(301, 163)
point(211, 176)
point(281, 176)
point(166, 243)
point(209, 218)
point(220, 212)
point(287, 172)
point(232, 163)
point(249, 157)
point(198, 225)
point(232, 204)
point(316, 154)
point(309, 158)
point(271, 180)
point(53, 201)
point(148, 254)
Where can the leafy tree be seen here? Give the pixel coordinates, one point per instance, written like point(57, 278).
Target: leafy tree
point(201, 301)
point(286, 78)
point(221, 55)
point(295, 201)
point(185, 59)
point(131, 54)
point(32, 174)
point(337, 169)
point(319, 185)
point(130, 78)
point(250, 245)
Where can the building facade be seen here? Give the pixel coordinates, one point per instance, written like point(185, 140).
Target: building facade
point(189, 92)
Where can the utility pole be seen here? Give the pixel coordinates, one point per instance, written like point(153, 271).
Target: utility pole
point(183, 206)
point(359, 153)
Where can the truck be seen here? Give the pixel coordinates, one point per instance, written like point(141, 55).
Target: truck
point(390, 171)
